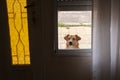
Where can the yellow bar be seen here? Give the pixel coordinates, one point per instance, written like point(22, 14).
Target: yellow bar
point(18, 26)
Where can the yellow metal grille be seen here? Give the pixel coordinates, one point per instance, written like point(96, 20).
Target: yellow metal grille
point(18, 26)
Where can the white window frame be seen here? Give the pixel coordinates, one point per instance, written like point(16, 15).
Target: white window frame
point(85, 5)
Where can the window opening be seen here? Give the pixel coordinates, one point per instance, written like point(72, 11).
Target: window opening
point(74, 23)
point(18, 28)
point(74, 17)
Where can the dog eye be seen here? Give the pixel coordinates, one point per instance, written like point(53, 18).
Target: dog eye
point(73, 38)
point(68, 38)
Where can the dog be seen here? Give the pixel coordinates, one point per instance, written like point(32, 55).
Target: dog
point(72, 41)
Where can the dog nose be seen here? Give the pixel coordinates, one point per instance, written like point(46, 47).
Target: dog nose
point(70, 43)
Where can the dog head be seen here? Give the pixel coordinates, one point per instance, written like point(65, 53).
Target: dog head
point(72, 41)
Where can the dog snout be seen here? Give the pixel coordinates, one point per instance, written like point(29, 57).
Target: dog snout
point(70, 43)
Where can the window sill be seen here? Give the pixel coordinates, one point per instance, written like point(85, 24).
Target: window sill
point(75, 52)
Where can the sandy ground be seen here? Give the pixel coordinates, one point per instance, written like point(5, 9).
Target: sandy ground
point(83, 32)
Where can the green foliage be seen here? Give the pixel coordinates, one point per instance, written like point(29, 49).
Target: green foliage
point(61, 24)
point(72, 25)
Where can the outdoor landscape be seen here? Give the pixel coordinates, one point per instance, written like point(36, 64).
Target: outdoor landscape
point(74, 22)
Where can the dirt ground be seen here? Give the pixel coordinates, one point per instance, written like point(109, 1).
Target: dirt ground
point(82, 31)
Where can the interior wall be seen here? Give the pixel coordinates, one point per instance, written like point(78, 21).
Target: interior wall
point(5, 58)
point(7, 70)
point(46, 65)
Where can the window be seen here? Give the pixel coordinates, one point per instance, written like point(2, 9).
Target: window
point(74, 17)
point(18, 28)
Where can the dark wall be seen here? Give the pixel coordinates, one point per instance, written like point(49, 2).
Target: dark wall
point(48, 66)
point(44, 64)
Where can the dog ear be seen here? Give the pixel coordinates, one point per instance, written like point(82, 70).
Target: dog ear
point(77, 37)
point(66, 37)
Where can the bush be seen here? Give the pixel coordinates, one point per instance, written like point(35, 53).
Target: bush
point(61, 25)
point(72, 25)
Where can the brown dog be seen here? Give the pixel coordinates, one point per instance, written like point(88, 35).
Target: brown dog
point(72, 41)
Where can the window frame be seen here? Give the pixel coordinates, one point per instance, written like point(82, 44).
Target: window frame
point(67, 52)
